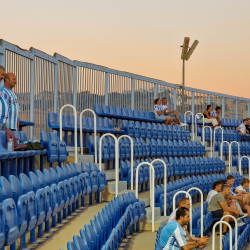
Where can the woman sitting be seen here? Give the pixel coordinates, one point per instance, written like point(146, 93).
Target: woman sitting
point(159, 112)
point(208, 116)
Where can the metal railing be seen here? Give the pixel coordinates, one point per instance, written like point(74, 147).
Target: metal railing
point(221, 148)
point(242, 157)
point(81, 141)
point(132, 157)
point(211, 138)
point(185, 121)
point(230, 154)
point(230, 234)
point(116, 159)
point(75, 117)
point(152, 188)
point(196, 126)
point(219, 127)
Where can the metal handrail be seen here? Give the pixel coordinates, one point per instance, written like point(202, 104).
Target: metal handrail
point(165, 183)
point(221, 148)
point(90, 110)
point(219, 127)
point(75, 115)
point(152, 187)
point(116, 159)
point(132, 157)
point(230, 233)
point(192, 121)
point(211, 138)
point(230, 154)
point(196, 122)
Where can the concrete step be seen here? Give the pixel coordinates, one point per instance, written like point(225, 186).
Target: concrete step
point(159, 222)
point(232, 169)
point(147, 202)
point(149, 213)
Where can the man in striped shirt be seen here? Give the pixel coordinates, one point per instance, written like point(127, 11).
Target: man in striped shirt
point(3, 104)
point(11, 99)
point(172, 236)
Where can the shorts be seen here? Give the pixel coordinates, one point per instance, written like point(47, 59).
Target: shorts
point(160, 117)
point(217, 214)
point(212, 120)
point(2, 126)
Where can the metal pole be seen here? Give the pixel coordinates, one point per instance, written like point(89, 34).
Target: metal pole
point(183, 85)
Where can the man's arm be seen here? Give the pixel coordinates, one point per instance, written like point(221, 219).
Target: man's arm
point(170, 112)
point(226, 208)
point(192, 244)
point(232, 197)
point(239, 192)
point(238, 129)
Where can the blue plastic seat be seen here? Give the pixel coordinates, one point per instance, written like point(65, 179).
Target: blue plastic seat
point(79, 242)
point(106, 111)
point(98, 109)
point(72, 246)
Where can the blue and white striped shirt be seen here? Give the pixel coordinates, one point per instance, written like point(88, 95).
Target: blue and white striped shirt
point(214, 113)
point(172, 236)
point(13, 107)
point(158, 108)
point(3, 109)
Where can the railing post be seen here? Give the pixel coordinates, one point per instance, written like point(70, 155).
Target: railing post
point(56, 86)
point(193, 111)
point(248, 109)
point(219, 127)
point(211, 138)
point(106, 88)
point(32, 88)
point(2, 59)
point(75, 87)
point(132, 93)
point(223, 107)
point(175, 99)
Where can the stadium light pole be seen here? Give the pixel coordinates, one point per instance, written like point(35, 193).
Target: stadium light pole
point(185, 55)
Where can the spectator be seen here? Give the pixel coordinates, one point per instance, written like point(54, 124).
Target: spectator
point(216, 114)
point(11, 99)
point(172, 236)
point(159, 112)
point(216, 189)
point(172, 113)
point(242, 130)
point(219, 208)
point(241, 190)
point(183, 202)
point(3, 103)
point(248, 125)
point(208, 116)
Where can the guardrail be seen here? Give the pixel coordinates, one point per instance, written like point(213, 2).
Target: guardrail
point(132, 158)
point(75, 116)
point(152, 189)
point(81, 142)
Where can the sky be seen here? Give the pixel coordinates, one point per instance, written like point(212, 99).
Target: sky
point(141, 37)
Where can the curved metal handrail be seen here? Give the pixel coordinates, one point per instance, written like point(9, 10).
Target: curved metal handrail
point(185, 121)
point(196, 127)
point(211, 138)
point(230, 154)
point(219, 127)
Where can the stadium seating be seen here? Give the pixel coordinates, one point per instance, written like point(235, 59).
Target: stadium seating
point(109, 227)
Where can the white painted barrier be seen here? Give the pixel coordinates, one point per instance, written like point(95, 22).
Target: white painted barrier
point(75, 116)
point(185, 121)
point(230, 155)
point(165, 183)
point(219, 127)
point(116, 159)
point(81, 142)
point(194, 188)
point(190, 209)
point(211, 138)
point(152, 189)
point(132, 157)
point(236, 230)
point(196, 127)
point(230, 234)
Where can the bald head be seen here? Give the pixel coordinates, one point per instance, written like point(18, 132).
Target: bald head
point(10, 80)
point(2, 73)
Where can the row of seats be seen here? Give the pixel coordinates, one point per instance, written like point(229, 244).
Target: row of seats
point(244, 162)
point(150, 148)
point(110, 225)
point(204, 183)
point(226, 122)
point(29, 201)
point(244, 148)
point(56, 149)
point(18, 160)
point(103, 125)
point(125, 114)
point(228, 134)
point(175, 167)
point(155, 131)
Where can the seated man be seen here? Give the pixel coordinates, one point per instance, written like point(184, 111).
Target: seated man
point(219, 208)
point(242, 130)
point(233, 200)
point(172, 236)
point(183, 202)
point(172, 113)
point(244, 203)
point(159, 112)
point(216, 189)
point(216, 114)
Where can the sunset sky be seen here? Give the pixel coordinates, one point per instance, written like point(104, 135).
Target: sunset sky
point(141, 37)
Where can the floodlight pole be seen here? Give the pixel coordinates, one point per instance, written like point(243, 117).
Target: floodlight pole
point(183, 87)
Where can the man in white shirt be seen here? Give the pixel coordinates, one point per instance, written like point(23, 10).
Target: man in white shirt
point(216, 114)
point(242, 130)
point(216, 189)
point(172, 113)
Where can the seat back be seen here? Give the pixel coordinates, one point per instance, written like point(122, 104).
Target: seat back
point(49, 177)
point(35, 181)
point(72, 246)
point(7, 190)
point(26, 183)
point(55, 175)
point(42, 178)
point(79, 242)
point(16, 187)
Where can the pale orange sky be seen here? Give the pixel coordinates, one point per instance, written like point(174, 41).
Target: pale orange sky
point(142, 37)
